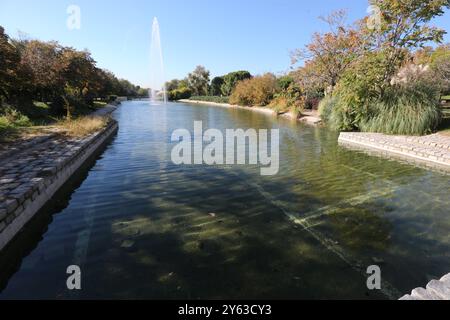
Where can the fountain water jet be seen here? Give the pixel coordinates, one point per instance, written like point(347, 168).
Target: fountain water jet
point(157, 92)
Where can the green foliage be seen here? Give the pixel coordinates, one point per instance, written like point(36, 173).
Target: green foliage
point(10, 118)
point(411, 109)
point(230, 81)
point(258, 91)
point(216, 86)
point(214, 99)
point(359, 86)
point(285, 82)
point(178, 94)
point(32, 70)
point(440, 64)
point(404, 25)
point(289, 98)
point(172, 85)
point(198, 81)
point(326, 107)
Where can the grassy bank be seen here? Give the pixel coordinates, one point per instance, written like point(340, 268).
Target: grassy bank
point(38, 118)
point(214, 99)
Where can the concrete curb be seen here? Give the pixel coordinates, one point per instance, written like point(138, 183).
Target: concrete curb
point(17, 212)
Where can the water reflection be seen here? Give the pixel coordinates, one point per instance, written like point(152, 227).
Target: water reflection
point(141, 227)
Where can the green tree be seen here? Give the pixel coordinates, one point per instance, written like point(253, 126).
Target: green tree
point(230, 80)
point(172, 85)
point(10, 77)
point(198, 81)
point(440, 64)
point(216, 86)
point(404, 25)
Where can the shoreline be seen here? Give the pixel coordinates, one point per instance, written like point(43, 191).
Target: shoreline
point(432, 151)
point(306, 118)
point(31, 176)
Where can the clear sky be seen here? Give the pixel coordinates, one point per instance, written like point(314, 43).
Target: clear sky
point(222, 35)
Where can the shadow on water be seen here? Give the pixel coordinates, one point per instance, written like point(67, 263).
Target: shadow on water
point(205, 248)
point(32, 234)
point(141, 227)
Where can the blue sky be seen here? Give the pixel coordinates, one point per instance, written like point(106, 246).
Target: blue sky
point(222, 35)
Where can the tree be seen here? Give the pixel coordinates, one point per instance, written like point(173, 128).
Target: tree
point(216, 86)
point(198, 81)
point(79, 73)
point(330, 54)
point(9, 62)
point(403, 26)
point(257, 91)
point(230, 80)
point(440, 64)
point(172, 85)
point(438, 60)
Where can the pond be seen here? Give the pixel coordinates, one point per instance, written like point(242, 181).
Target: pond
point(140, 226)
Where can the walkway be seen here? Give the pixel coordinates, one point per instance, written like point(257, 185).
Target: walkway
point(432, 149)
point(436, 290)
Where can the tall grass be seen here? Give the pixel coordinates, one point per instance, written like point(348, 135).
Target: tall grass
point(83, 126)
point(326, 107)
point(408, 110)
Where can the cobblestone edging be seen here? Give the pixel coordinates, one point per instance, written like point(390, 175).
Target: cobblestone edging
point(10, 151)
point(28, 180)
point(435, 290)
point(432, 149)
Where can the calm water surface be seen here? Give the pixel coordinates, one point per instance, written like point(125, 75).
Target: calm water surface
point(140, 227)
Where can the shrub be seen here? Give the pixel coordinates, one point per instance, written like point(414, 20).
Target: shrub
point(279, 104)
point(412, 109)
point(216, 86)
point(258, 91)
point(178, 94)
point(232, 79)
point(360, 85)
point(11, 118)
point(290, 99)
point(326, 107)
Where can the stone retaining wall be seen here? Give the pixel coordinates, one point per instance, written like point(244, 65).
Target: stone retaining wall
point(432, 149)
point(29, 180)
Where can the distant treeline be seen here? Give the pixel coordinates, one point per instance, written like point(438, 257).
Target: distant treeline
point(58, 76)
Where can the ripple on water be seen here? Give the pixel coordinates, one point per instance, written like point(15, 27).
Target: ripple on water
point(141, 227)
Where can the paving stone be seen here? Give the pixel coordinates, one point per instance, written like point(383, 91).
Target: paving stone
point(11, 205)
point(433, 147)
point(2, 214)
point(441, 288)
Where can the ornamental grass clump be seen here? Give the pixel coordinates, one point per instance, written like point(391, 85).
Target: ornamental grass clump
point(412, 109)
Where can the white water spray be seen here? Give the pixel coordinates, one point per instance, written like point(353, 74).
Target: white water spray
point(157, 92)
